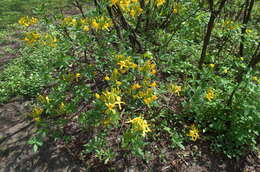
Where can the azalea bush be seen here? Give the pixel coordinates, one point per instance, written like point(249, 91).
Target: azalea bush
point(132, 73)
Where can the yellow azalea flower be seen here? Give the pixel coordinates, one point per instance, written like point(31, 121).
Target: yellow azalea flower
point(26, 21)
point(153, 84)
point(139, 125)
point(37, 119)
point(110, 107)
point(86, 28)
point(153, 66)
point(33, 20)
point(69, 21)
point(153, 72)
point(97, 95)
point(114, 2)
point(193, 133)
point(254, 78)
point(35, 35)
point(31, 37)
point(136, 86)
point(77, 76)
point(106, 26)
point(174, 11)
point(159, 2)
point(209, 95)
point(74, 22)
point(154, 97)
point(212, 65)
point(119, 102)
point(43, 99)
point(141, 94)
point(83, 21)
point(107, 121)
point(37, 111)
point(118, 83)
point(225, 70)
point(248, 31)
point(107, 78)
point(176, 89)
point(242, 58)
point(115, 74)
point(132, 12)
point(133, 65)
point(122, 64)
point(95, 24)
point(149, 100)
point(139, 11)
point(62, 106)
point(47, 99)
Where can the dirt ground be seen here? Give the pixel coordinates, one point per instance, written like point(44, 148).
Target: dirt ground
point(16, 129)
point(17, 156)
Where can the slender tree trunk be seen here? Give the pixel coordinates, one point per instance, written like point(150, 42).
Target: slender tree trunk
point(213, 16)
point(206, 39)
point(247, 13)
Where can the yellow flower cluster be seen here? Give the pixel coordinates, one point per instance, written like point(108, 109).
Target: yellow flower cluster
point(111, 99)
point(131, 7)
point(176, 89)
point(225, 71)
point(43, 99)
point(174, 11)
point(254, 78)
point(159, 2)
point(36, 113)
point(212, 65)
point(193, 133)
point(125, 63)
point(69, 21)
point(62, 107)
point(71, 76)
point(96, 23)
point(209, 95)
point(139, 125)
point(144, 91)
point(26, 21)
point(149, 66)
point(31, 37)
point(77, 76)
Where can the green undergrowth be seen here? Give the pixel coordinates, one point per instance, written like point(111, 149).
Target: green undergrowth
point(28, 74)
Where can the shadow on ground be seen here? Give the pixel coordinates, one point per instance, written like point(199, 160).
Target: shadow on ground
point(17, 155)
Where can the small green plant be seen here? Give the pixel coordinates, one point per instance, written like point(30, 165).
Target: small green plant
point(98, 146)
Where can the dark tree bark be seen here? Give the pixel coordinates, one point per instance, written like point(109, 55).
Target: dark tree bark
point(246, 18)
point(213, 16)
point(206, 39)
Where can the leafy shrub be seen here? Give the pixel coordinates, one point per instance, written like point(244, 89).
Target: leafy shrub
point(123, 67)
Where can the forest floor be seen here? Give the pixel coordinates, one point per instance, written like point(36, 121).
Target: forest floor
point(16, 129)
point(17, 155)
